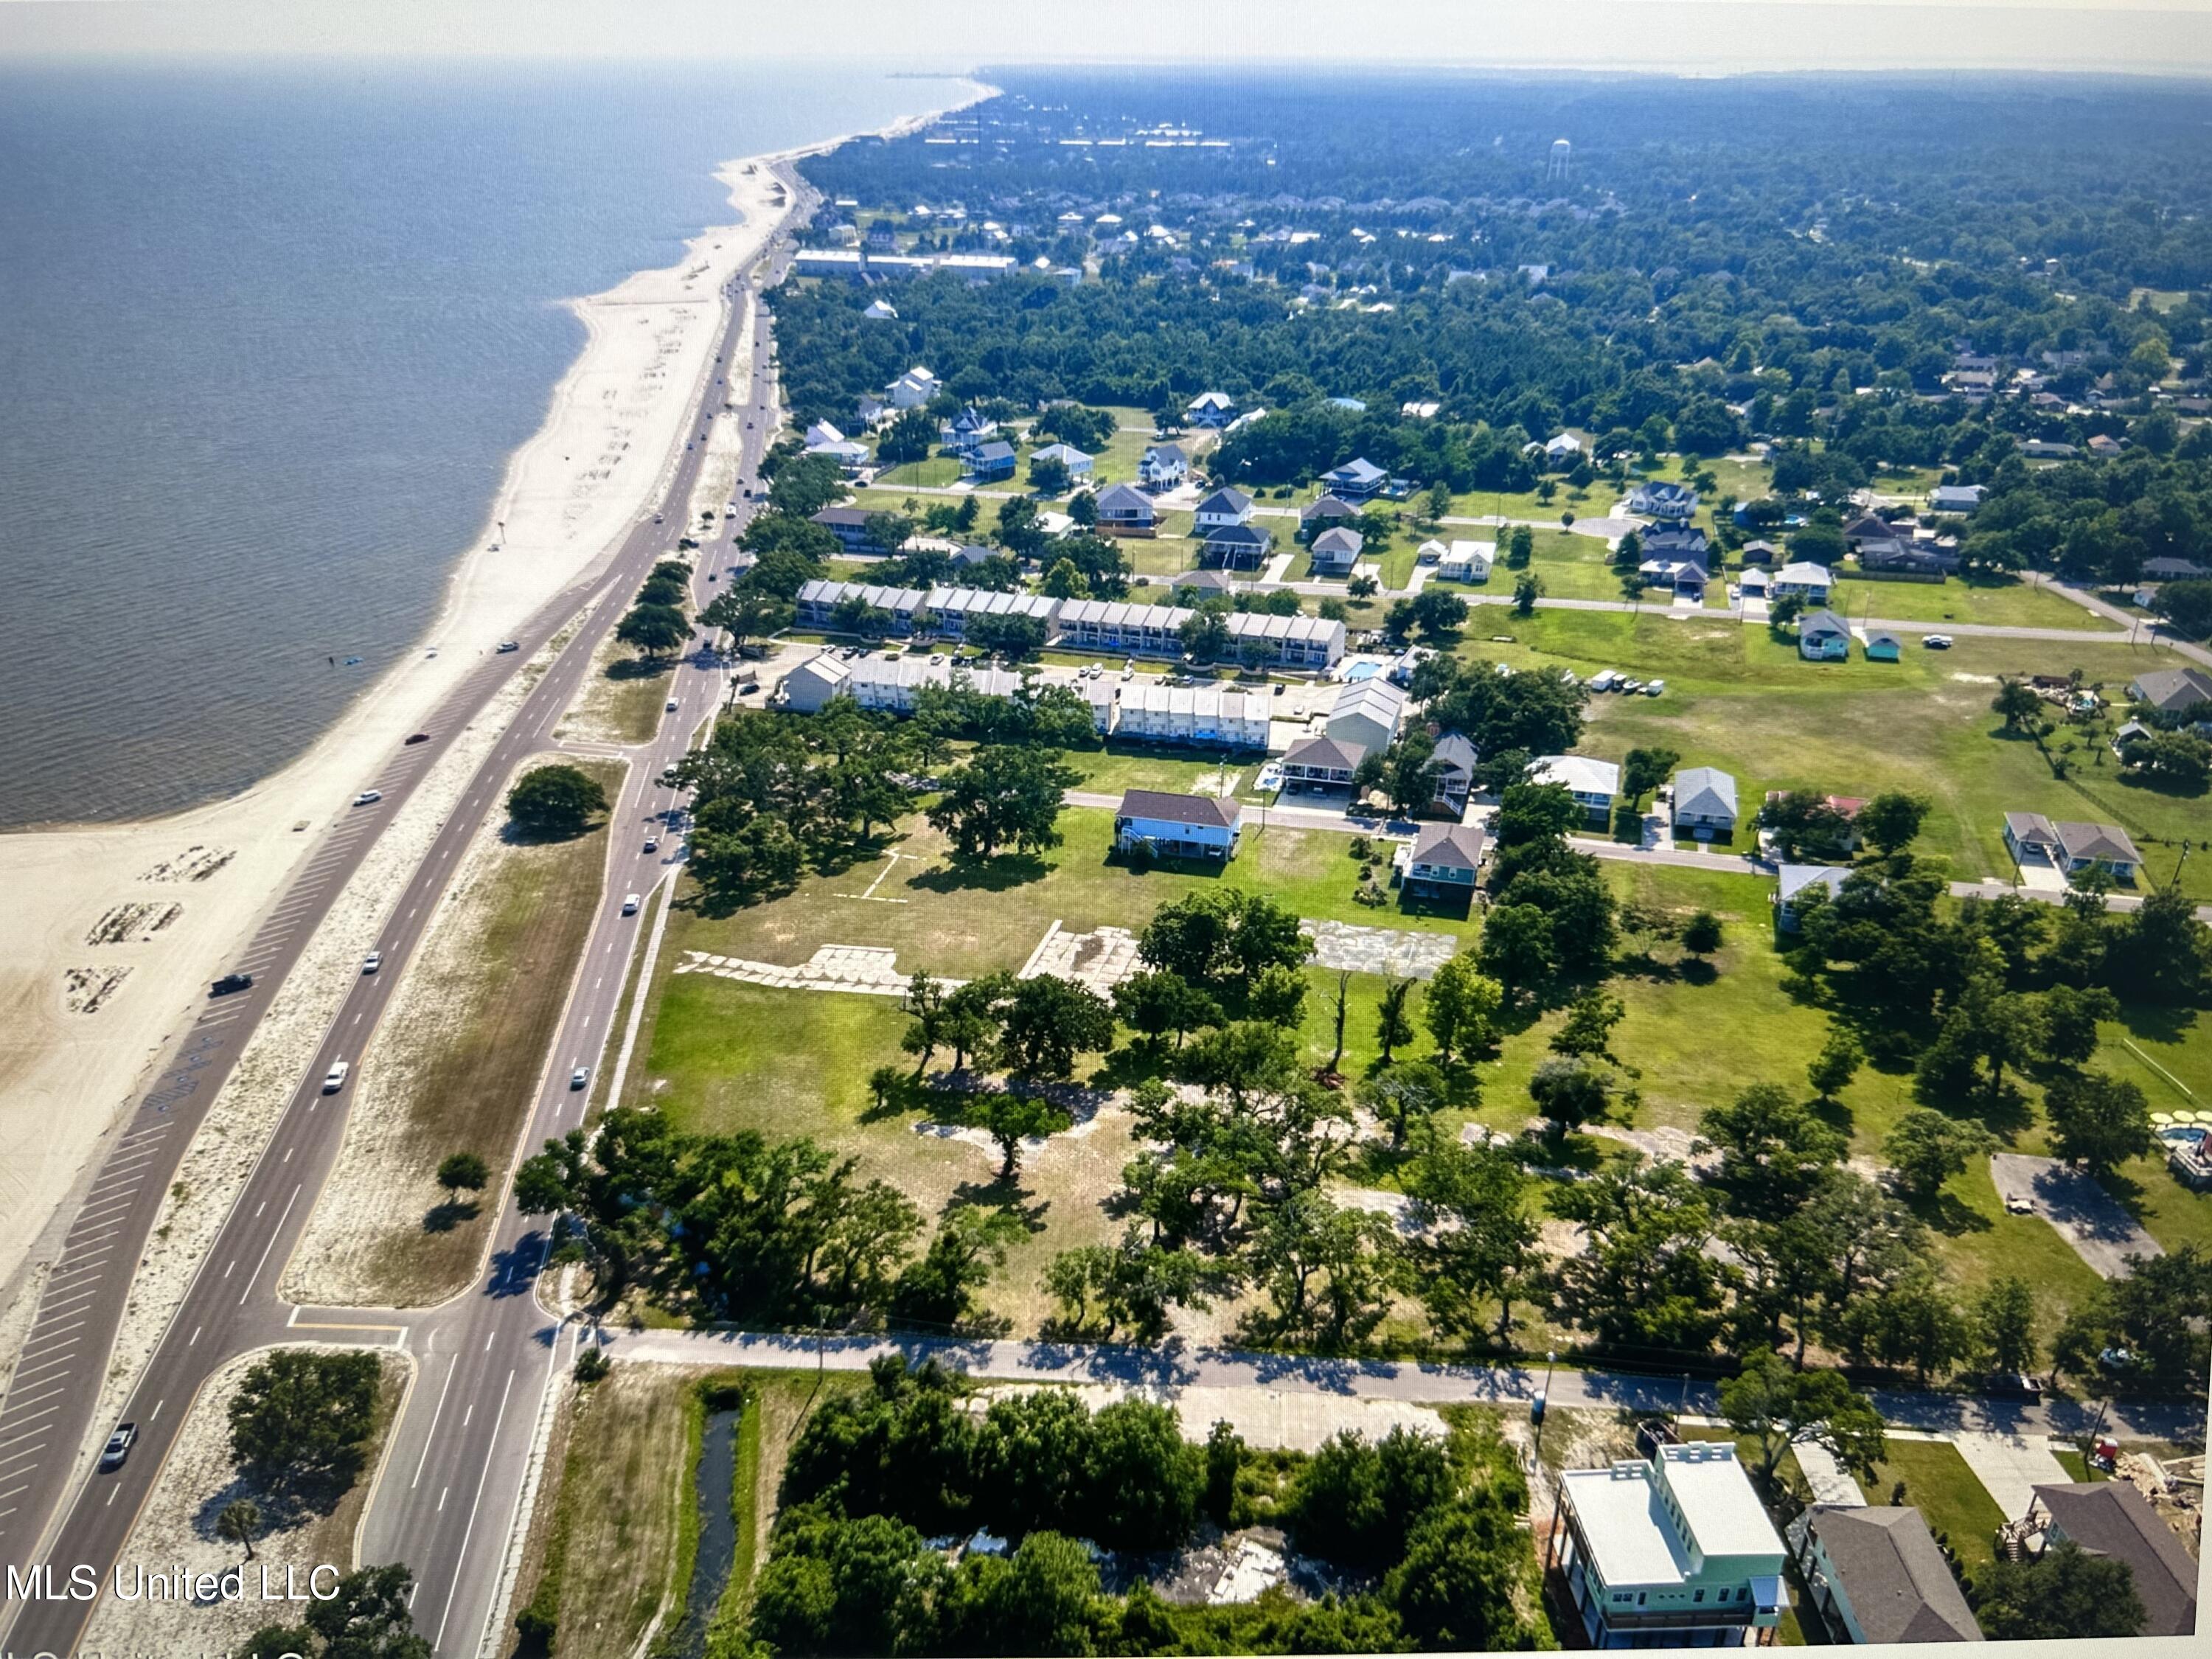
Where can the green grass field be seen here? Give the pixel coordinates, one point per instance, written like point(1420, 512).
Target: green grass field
point(2004, 603)
point(1938, 1483)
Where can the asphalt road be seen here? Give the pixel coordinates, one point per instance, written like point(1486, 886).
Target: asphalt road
point(446, 1502)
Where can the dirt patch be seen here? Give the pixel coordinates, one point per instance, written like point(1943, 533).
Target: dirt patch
point(195, 863)
point(177, 1530)
point(129, 924)
point(454, 1068)
point(621, 699)
point(84, 990)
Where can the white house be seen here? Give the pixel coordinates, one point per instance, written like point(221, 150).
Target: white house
point(1177, 826)
point(1210, 410)
point(1955, 498)
point(809, 687)
point(1594, 783)
point(1563, 449)
point(1335, 550)
point(1078, 464)
point(1467, 561)
point(880, 311)
point(1110, 626)
point(1674, 1553)
point(1194, 716)
point(1320, 763)
point(1164, 466)
point(1368, 713)
point(1801, 581)
point(1705, 803)
point(912, 389)
point(1224, 509)
point(1265, 640)
point(1795, 879)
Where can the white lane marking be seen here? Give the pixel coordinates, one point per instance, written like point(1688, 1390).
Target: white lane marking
point(114, 1494)
point(442, 1491)
point(434, 1416)
point(156, 1411)
point(270, 1246)
point(460, 1561)
point(197, 1330)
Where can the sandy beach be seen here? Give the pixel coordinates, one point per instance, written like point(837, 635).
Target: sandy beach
point(116, 928)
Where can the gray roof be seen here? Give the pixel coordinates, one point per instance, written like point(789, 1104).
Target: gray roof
point(1328, 506)
point(1226, 501)
point(1455, 751)
point(1358, 470)
point(1796, 878)
point(2091, 841)
point(1240, 535)
point(996, 450)
point(1337, 539)
point(1456, 845)
point(1325, 752)
point(1211, 581)
point(1165, 454)
point(1705, 790)
point(1822, 621)
point(1123, 498)
point(1179, 809)
point(2111, 1518)
point(1899, 1585)
point(2170, 690)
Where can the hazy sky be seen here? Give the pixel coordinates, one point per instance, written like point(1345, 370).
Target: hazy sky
point(1696, 36)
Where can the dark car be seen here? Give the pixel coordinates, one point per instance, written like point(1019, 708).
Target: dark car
point(2012, 1385)
point(119, 1445)
point(229, 982)
point(418, 737)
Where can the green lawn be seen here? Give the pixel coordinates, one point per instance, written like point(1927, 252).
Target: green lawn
point(935, 470)
point(2003, 602)
point(1938, 1483)
point(1739, 699)
point(1178, 771)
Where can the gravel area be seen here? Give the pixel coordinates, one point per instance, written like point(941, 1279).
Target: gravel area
point(177, 1530)
point(2085, 1215)
point(245, 1115)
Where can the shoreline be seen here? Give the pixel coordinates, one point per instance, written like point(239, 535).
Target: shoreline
point(567, 500)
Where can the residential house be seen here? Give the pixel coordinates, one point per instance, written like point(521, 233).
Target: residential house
point(809, 687)
point(2071, 849)
point(1078, 464)
point(1210, 410)
point(1177, 826)
point(1868, 528)
point(1203, 585)
point(967, 431)
point(849, 456)
point(1313, 644)
point(1562, 449)
point(1123, 511)
point(881, 311)
point(1442, 861)
point(894, 684)
point(1236, 547)
point(1357, 480)
point(1467, 561)
point(1794, 879)
point(1674, 1553)
point(1844, 807)
point(2172, 691)
point(1705, 803)
point(2047, 449)
point(1453, 760)
point(1224, 509)
point(1955, 498)
point(818, 602)
point(1110, 627)
point(2110, 1518)
point(1823, 636)
point(1875, 1574)
point(1752, 584)
point(1098, 695)
point(1923, 559)
point(1320, 763)
point(1593, 783)
point(823, 433)
point(1164, 466)
point(1803, 581)
point(1671, 503)
point(2104, 446)
point(1684, 573)
point(1316, 516)
point(990, 461)
point(1758, 552)
point(1203, 716)
point(2167, 569)
point(1335, 550)
point(850, 524)
point(912, 389)
point(1367, 714)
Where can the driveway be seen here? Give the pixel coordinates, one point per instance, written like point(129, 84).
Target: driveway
point(2086, 1216)
point(2010, 1466)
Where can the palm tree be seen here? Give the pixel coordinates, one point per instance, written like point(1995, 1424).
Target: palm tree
point(239, 1519)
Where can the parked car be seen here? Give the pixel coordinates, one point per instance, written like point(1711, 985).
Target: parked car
point(368, 797)
point(334, 1080)
point(119, 1445)
point(2012, 1385)
point(1936, 641)
point(506, 646)
point(229, 982)
point(371, 962)
point(418, 737)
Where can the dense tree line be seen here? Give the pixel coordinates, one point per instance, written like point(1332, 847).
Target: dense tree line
point(875, 1475)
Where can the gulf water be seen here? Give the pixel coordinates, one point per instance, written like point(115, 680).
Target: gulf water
point(267, 337)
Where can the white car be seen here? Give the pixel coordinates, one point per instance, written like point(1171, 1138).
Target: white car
point(629, 905)
point(119, 1445)
point(672, 705)
point(580, 1077)
point(371, 962)
point(1936, 641)
point(1653, 688)
point(368, 797)
point(334, 1078)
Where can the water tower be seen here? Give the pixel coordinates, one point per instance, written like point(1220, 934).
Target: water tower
point(1562, 161)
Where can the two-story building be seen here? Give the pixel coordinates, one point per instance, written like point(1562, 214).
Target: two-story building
point(1674, 1553)
point(2111, 1519)
point(1320, 763)
point(904, 609)
point(1110, 626)
point(1123, 511)
point(1705, 803)
point(1167, 826)
point(1192, 716)
point(1309, 644)
point(1441, 861)
point(1078, 464)
point(1234, 547)
point(912, 389)
point(1210, 410)
point(850, 524)
point(1667, 501)
point(1335, 550)
point(1224, 509)
point(990, 461)
point(1163, 466)
point(1797, 879)
point(1877, 1575)
point(952, 609)
point(1802, 580)
point(1368, 713)
point(1593, 783)
point(1357, 480)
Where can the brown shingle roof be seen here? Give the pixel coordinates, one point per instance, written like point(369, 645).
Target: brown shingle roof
point(1179, 809)
point(2111, 1518)
point(1899, 1585)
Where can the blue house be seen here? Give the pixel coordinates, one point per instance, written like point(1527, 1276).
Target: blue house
point(990, 461)
point(1356, 480)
